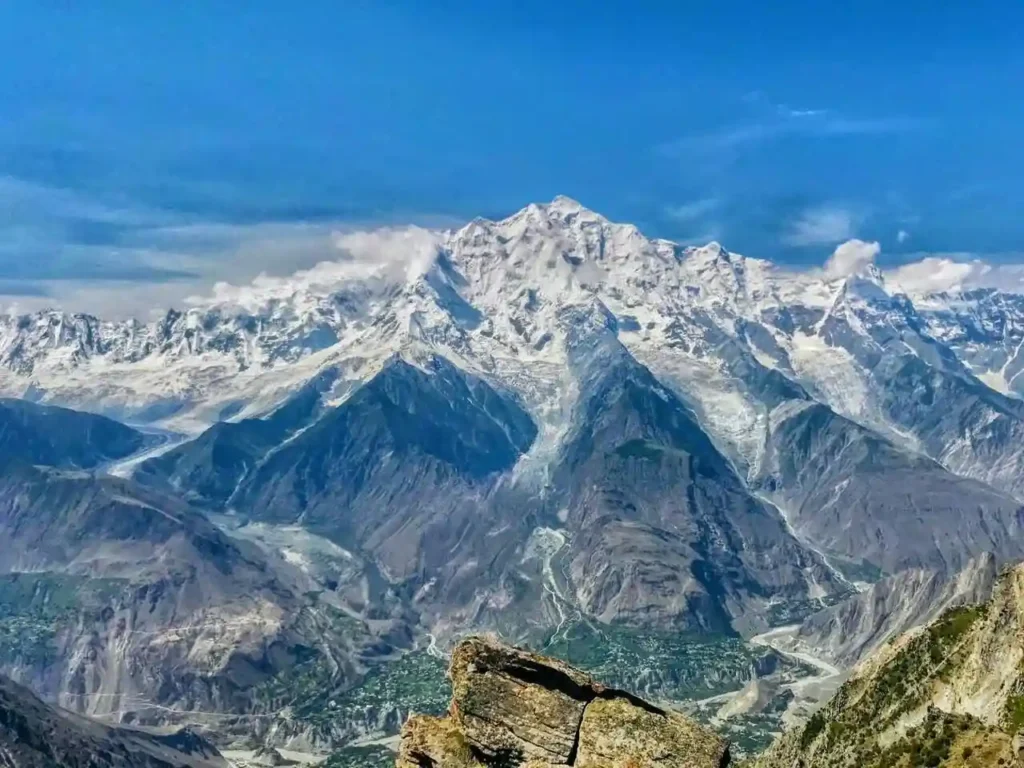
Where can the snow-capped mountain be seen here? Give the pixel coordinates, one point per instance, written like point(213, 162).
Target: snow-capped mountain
point(731, 335)
point(525, 422)
point(538, 306)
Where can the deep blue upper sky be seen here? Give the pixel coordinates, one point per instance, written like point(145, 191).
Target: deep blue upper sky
point(778, 128)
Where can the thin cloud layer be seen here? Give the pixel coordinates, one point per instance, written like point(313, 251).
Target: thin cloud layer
point(386, 255)
point(821, 226)
point(694, 210)
point(59, 248)
point(779, 121)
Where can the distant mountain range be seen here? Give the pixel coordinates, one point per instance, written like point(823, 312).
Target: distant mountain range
point(510, 426)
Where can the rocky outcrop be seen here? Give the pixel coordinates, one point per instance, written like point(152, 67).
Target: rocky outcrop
point(951, 693)
point(511, 707)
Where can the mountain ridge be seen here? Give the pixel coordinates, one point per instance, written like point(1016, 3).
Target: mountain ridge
point(947, 693)
point(35, 734)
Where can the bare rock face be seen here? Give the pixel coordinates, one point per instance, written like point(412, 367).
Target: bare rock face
point(628, 732)
point(514, 708)
point(434, 741)
point(508, 701)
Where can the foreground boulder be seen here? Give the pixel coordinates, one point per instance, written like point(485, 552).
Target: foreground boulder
point(515, 708)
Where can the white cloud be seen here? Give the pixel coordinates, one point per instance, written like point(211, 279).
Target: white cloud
point(61, 247)
point(32, 203)
point(382, 257)
point(693, 210)
point(955, 272)
point(704, 237)
point(933, 274)
point(411, 249)
point(242, 266)
point(798, 113)
point(821, 226)
point(902, 236)
point(851, 257)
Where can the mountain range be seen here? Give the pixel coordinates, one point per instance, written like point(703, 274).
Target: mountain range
point(511, 426)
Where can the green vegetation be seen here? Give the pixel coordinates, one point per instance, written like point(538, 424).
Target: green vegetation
point(860, 570)
point(662, 665)
point(815, 725)
point(361, 757)
point(657, 665)
point(845, 732)
point(943, 739)
point(681, 668)
point(906, 679)
point(417, 682)
point(1014, 713)
point(52, 595)
point(35, 606)
point(640, 449)
point(749, 734)
point(954, 624)
point(794, 612)
point(319, 700)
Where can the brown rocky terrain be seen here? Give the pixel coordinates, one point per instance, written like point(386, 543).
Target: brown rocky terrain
point(511, 707)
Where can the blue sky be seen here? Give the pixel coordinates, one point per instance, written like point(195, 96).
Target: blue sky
point(167, 142)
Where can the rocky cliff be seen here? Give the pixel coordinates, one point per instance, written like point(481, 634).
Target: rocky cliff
point(515, 708)
point(950, 693)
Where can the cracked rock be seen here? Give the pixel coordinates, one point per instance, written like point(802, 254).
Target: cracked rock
point(516, 709)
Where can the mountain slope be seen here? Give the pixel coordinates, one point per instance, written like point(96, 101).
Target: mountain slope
point(662, 527)
point(437, 476)
point(34, 735)
point(536, 307)
point(846, 633)
point(522, 425)
point(209, 469)
point(951, 693)
point(60, 437)
point(859, 496)
point(870, 355)
point(122, 602)
point(733, 334)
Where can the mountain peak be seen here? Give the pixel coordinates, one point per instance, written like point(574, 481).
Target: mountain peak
point(566, 209)
point(565, 203)
point(710, 251)
point(867, 284)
